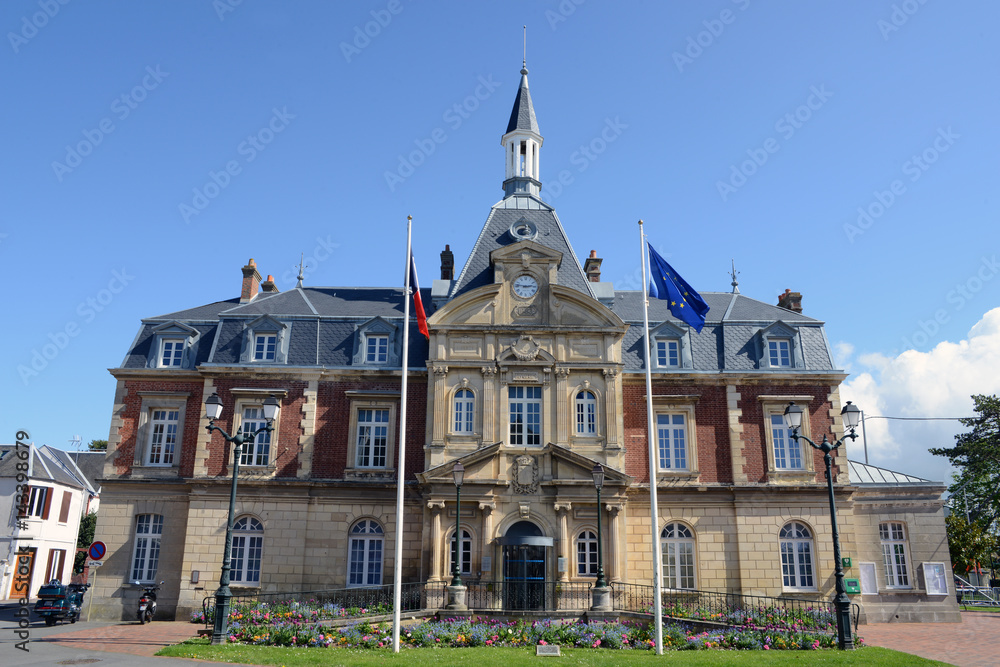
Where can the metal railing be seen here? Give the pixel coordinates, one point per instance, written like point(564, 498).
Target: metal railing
point(528, 596)
point(353, 602)
point(976, 596)
point(713, 606)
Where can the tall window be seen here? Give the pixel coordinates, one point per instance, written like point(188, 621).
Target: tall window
point(796, 556)
point(365, 566)
point(465, 562)
point(265, 347)
point(373, 434)
point(464, 405)
point(162, 437)
point(893, 538)
point(57, 558)
point(38, 502)
point(525, 415)
point(668, 354)
point(787, 452)
point(677, 546)
point(586, 413)
point(376, 349)
point(171, 352)
point(586, 554)
point(779, 351)
point(248, 545)
point(146, 557)
point(257, 452)
point(671, 436)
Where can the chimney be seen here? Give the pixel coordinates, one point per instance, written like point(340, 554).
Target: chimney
point(790, 301)
point(251, 282)
point(592, 267)
point(447, 264)
point(268, 285)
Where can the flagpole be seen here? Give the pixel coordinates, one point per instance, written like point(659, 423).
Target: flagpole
point(654, 518)
point(397, 585)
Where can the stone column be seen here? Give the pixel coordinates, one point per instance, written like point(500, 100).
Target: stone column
point(564, 427)
point(489, 404)
point(563, 510)
point(439, 416)
point(486, 508)
point(614, 541)
point(435, 506)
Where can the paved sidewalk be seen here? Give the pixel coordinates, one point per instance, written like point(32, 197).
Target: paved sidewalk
point(131, 638)
point(975, 642)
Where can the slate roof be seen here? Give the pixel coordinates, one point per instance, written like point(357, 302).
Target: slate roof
point(496, 234)
point(46, 464)
point(522, 116)
point(863, 474)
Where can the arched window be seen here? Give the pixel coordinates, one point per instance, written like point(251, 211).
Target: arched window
point(586, 413)
point(465, 566)
point(464, 405)
point(893, 538)
point(146, 556)
point(586, 554)
point(365, 566)
point(248, 545)
point(677, 546)
point(796, 544)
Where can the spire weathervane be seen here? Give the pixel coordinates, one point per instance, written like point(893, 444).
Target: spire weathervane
point(302, 265)
point(733, 274)
point(524, 58)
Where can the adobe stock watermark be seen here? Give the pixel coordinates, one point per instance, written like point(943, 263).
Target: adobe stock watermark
point(30, 25)
point(704, 39)
point(957, 298)
point(122, 107)
point(913, 168)
point(322, 252)
point(633, 281)
point(223, 7)
point(86, 311)
point(364, 34)
point(786, 126)
point(249, 148)
point(454, 116)
point(584, 156)
point(566, 8)
point(900, 14)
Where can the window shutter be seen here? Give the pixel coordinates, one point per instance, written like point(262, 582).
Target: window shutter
point(22, 509)
point(60, 563)
point(48, 565)
point(48, 503)
point(64, 510)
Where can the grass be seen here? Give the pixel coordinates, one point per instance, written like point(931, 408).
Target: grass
point(512, 657)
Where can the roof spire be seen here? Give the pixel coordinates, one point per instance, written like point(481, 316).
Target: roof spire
point(524, 59)
point(302, 265)
point(733, 274)
point(522, 141)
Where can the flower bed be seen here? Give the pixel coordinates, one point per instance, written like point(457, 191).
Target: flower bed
point(290, 611)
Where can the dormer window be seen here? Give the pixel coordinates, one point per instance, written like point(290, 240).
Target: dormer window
point(780, 347)
point(377, 349)
point(671, 347)
point(171, 352)
point(779, 351)
point(264, 347)
point(668, 353)
point(173, 345)
point(265, 341)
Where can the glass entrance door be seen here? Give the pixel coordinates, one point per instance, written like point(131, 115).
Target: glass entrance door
point(524, 577)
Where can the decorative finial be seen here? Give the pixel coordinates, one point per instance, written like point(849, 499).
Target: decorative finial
point(733, 274)
point(524, 59)
point(302, 266)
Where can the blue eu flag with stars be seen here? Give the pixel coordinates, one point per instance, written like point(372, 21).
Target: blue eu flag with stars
point(664, 283)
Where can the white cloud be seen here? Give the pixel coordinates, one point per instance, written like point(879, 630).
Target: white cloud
point(937, 383)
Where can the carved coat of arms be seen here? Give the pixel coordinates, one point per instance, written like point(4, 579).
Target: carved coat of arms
point(525, 474)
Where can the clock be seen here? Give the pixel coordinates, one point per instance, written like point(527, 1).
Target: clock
point(525, 287)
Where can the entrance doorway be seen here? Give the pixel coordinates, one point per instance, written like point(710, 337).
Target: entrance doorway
point(524, 566)
point(24, 565)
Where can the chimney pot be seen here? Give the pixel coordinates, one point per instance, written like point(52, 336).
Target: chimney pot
point(447, 264)
point(251, 282)
point(268, 285)
point(790, 301)
point(592, 267)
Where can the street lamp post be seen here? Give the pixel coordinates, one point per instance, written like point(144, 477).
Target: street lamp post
point(598, 473)
point(213, 409)
point(456, 591)
point(851, 415)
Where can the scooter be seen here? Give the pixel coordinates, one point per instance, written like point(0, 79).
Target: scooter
point(147, 603)
point(60, 602)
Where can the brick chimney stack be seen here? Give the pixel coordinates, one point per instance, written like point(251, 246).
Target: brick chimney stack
point(790, 301)
point(268, 285)
point(447, 264)
point(592, 267)
point(251, 282)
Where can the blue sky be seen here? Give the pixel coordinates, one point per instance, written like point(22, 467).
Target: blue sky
point(846, 150)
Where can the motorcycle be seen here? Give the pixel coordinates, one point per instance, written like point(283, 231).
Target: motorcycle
point(147, 603)
point(60, 602)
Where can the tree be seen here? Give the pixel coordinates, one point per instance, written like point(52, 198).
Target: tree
point(84, 539)
point(98, 446)
point(975, 492)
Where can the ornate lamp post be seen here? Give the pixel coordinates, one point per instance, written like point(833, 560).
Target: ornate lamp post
point(851, 415)
point(213, 409)
point(598, 473)
point(456, 591)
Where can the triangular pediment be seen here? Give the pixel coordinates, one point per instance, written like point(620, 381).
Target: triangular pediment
point(779, 328)
point(175, 328)
point(525, 252)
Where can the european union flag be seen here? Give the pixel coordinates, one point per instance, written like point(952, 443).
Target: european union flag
point(664, 283)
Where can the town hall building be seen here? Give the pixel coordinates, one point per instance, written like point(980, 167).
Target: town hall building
point(534, 372)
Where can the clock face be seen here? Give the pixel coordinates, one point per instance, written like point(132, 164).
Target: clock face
point(525, 287)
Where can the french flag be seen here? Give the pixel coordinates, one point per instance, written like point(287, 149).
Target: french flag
point(418, 303)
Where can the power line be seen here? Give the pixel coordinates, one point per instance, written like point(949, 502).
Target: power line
point(924, 419)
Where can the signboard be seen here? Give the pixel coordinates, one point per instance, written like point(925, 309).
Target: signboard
point(94, 563)
point(853, 586)
point(97, 550)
